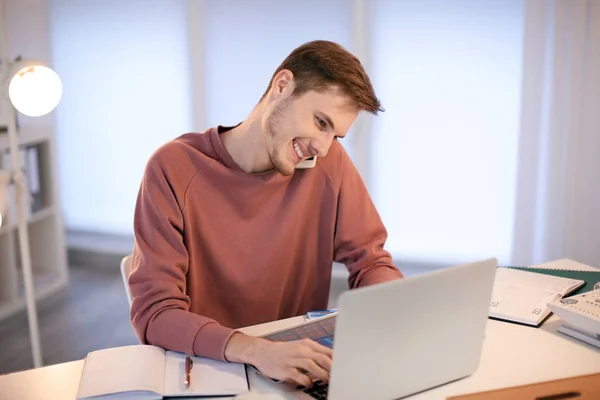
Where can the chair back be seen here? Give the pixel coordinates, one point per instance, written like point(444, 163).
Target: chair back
point(125, 271)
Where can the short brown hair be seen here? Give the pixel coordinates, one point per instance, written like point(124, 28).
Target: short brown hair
point(321, 64)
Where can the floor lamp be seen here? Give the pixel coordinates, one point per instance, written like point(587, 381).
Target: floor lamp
point(34, 90)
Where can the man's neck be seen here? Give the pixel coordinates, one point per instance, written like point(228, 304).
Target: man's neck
point(246, 143)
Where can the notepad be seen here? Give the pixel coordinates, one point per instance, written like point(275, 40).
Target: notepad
point(522, 296)
point(567, 268)
point(149, 372)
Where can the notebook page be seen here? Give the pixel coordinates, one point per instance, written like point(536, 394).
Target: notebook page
point(520, 304)
point(565, 264)
point(555, 284)
point(523, 296)
point(208, 377)
point(134, 368)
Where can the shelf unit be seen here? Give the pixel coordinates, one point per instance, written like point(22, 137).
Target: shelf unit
point(46, 232)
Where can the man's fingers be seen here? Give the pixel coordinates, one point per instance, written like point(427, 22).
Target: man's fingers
point(300, 362)
point(299, 378)
point(311, 350)
point(313, 368)
point(324, 361)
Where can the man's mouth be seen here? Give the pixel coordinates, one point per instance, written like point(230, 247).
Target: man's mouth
point(297, 149)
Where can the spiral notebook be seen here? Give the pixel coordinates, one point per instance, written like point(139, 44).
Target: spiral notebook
point(521, 294)
point(570, 269)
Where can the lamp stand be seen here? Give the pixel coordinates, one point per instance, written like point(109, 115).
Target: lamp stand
point(21, 215)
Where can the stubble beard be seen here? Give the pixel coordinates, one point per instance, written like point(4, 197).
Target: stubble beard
point(275, 153)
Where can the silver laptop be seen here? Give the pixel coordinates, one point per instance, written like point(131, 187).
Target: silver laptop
point(399, 338)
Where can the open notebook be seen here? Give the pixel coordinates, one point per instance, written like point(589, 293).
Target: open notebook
point(522, 296)
point(149, 372)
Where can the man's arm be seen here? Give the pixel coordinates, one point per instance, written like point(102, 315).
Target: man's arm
point(359, 233)
point(160, 308)
point(285, 361)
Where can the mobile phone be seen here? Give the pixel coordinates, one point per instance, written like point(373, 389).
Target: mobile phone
point(308, 163)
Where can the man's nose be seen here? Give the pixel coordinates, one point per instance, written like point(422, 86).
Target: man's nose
point(322, 146)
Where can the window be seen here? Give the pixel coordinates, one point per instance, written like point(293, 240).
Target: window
point(443, 156)
point(246, 41)
point(125, 73)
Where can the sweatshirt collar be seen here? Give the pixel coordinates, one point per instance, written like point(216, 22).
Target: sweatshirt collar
point(221, 151)
point(226, 158)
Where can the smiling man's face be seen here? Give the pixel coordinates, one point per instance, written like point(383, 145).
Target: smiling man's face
point(305, 126)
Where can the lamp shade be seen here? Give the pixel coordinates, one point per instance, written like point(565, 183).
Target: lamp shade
point(4, 181)
point(35, 90)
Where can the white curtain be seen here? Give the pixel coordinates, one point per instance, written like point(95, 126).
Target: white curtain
point(491, 140)
point(558, 193)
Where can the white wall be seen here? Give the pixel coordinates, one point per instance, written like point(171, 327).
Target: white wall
point(125, 72)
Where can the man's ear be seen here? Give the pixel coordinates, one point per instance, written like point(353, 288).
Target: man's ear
point(283, 83)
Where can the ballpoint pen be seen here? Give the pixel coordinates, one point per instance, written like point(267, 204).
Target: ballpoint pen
point(188, 369)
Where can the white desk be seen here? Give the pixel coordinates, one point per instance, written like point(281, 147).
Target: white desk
point(512, 355)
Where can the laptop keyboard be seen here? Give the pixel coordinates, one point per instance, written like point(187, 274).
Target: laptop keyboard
point(326, 341)
point(320, 330)
point(318, 390)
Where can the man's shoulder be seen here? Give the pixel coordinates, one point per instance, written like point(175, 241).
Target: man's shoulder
point(187, 150)
point(335, 163)
point(180, 159)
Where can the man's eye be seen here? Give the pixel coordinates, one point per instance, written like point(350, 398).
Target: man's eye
point(321, 123)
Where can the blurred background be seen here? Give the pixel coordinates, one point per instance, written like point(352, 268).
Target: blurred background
point(488, 147)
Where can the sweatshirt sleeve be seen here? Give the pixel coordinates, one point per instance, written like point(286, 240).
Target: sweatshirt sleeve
point(160, 307)
point(359, 232)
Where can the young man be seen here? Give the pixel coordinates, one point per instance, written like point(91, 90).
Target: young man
point(230, 233)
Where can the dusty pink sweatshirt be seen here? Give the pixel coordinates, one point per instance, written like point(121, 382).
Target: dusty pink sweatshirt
point(217, 248)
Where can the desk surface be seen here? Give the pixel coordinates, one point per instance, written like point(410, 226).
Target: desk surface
point(512, 355)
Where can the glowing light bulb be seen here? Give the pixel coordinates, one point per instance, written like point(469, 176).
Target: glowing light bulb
point(35, 90)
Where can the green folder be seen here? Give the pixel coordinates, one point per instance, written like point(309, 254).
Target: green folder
point(589, 277)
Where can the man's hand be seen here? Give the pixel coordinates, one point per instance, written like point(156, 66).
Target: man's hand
point(285, 361)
